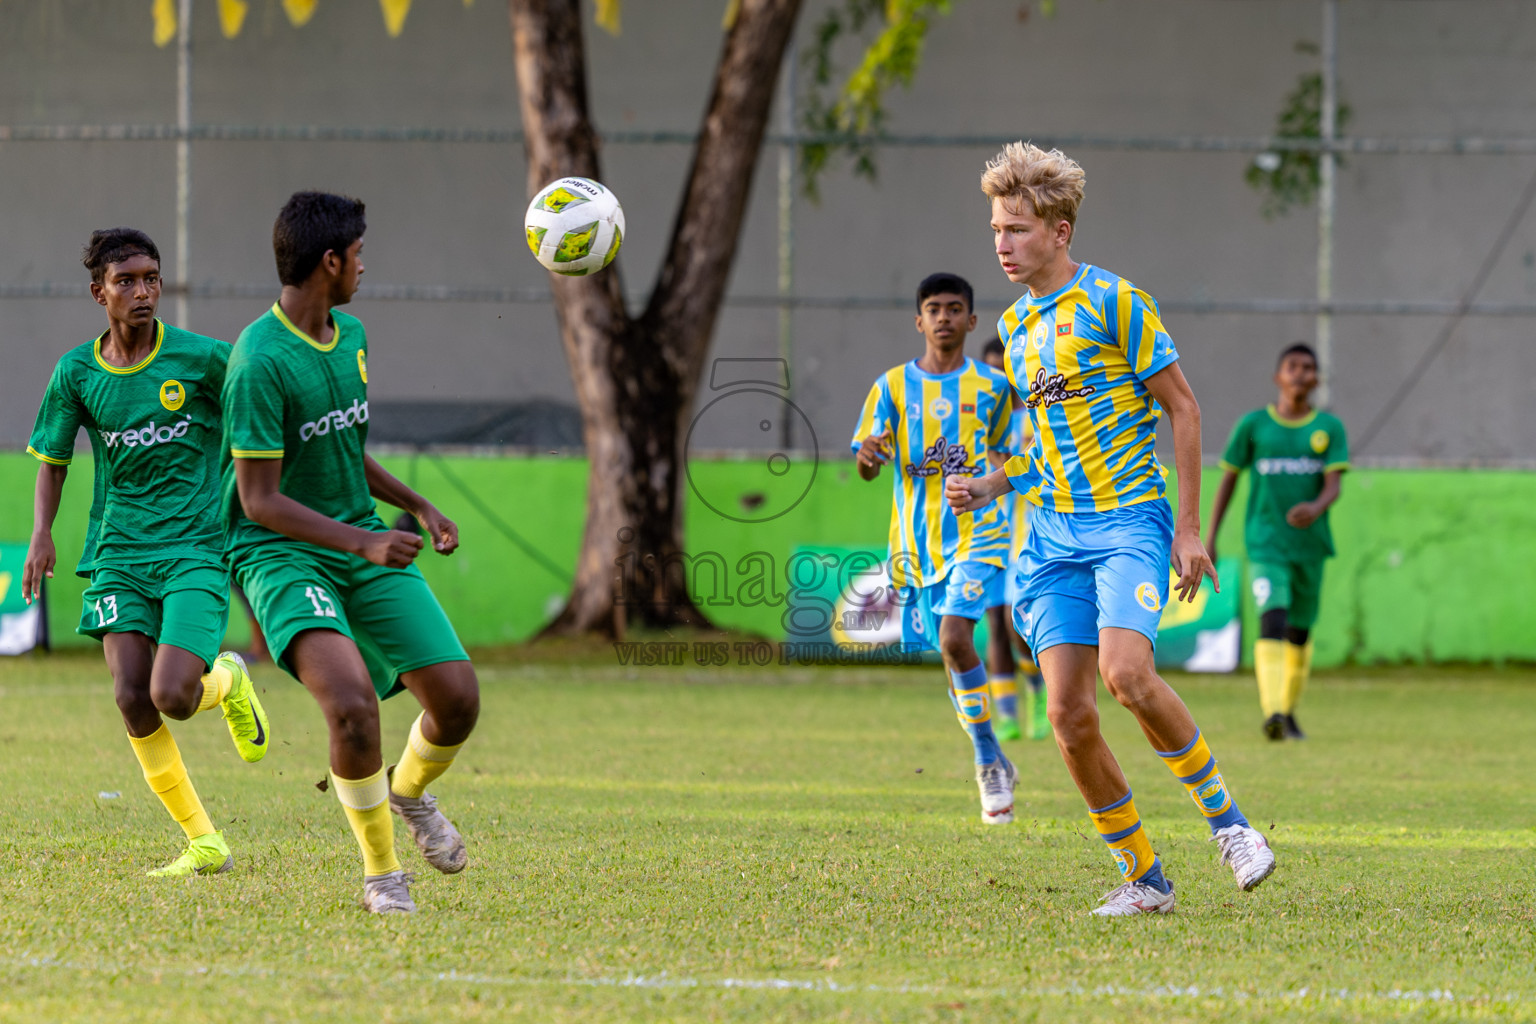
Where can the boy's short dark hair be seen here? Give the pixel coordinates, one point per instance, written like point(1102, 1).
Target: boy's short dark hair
point(993, 347)
point(311, 224)
point(1292, 349)
point(938, 284)
point(114, 245)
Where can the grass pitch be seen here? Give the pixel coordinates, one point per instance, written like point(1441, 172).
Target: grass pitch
point(776, 844)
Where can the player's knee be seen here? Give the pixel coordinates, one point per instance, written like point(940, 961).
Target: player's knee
point(452, 696)
point(1074, 722)
point(1131, 681)
point(1297, 635)
point(353, 718)
point(955, 643)
point(132, 697)
point(174, 698)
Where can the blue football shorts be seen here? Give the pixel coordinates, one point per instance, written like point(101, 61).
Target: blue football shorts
point(1087, 571)
point(964, 593)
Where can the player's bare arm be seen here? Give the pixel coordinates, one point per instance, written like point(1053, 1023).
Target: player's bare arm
point(41, 556)
point(1304, 514)
point(874, 452)
point(385, 486)
point(259, 482)
point(1189, 557)
point(969, 493)
point(1219, 510)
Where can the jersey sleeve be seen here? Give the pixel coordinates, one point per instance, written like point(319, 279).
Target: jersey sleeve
point(1139, 331)
point(1239, 452)
point(253, 410)
point(1337, 456)
point(218, 365)
point(877, 416)
point(58, 421)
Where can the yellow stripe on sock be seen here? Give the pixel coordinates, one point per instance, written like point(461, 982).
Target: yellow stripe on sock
point(217, 683)
point(1195, 768)
point(366, 803)
point(421, 763)
point(1003, 686)
point(1298, 669)
point(1130, 847)
point(161, 761)
point(1269, 667)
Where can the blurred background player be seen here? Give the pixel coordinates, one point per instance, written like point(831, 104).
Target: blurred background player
point(1002, 670)
point(147, 395)
point(340, 602)
point(938, 415)
point(1090, 352)
point(1298, 456)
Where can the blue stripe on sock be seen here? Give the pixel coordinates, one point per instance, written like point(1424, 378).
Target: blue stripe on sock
point(1109, 807)
point(1231, 816)
point(1115, 837)
point(1210, 766)
point(1180, 753)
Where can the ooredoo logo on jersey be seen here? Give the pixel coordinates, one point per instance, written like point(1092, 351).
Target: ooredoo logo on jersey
point(142, 437)
point(336, 419)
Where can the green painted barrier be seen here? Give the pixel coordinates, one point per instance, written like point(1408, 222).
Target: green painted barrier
point(1433, 565)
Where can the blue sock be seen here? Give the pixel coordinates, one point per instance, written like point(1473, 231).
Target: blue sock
point(973, 706)
point(1155, 877)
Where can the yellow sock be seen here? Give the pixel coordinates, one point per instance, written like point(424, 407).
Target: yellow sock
point(1195, 767)
point(421, 763)
point(217, 683)
point(1298, 668)
point(1269, 666)
point(1120, 827)
point(163, 769)
point(366, 802)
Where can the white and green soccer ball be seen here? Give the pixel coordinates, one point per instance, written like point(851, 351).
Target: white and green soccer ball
point(575, 226)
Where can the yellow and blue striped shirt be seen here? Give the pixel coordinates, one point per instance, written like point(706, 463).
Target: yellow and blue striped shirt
point(1079, 357)
point(940, 424)
point(1020, 437)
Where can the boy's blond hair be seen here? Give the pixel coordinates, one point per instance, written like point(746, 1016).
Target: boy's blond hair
point(1050, 182)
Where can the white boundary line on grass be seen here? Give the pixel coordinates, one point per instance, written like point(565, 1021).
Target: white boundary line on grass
point(663, 980)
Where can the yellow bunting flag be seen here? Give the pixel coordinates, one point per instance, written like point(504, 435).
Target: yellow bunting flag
point(394, 15)
point(232, 16)
point(299, 11)
point(608, 16)
point(165, 21)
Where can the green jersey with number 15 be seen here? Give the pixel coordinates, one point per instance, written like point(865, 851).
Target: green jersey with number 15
point(155, 437)
point(1289, 459)
point(289, 397)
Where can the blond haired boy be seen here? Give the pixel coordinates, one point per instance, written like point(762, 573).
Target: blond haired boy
point(1090, 357)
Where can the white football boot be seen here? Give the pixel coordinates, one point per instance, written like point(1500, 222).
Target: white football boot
point(996, 781)
point(1135, 898)
point(1248, 852)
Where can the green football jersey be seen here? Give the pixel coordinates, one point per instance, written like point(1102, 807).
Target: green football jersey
point(289, 397)
point(155, 433)
point(1288, 459)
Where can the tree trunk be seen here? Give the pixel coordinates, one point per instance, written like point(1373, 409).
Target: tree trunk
point(635, 378)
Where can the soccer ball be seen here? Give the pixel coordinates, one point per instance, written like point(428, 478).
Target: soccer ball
point(575, 226)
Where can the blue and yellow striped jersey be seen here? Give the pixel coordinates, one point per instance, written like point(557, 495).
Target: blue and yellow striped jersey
point(1079, 357)
point(1020, 437)
point(939, 425)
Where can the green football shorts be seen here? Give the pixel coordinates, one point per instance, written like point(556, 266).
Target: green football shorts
point(1295, 586)
point(180, 601)
point(390, 614)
